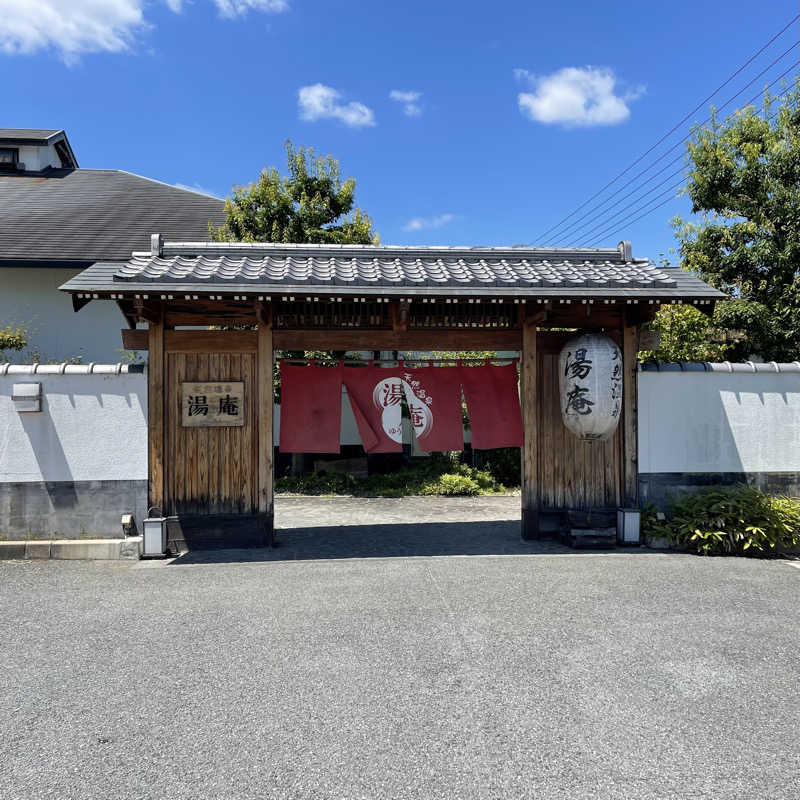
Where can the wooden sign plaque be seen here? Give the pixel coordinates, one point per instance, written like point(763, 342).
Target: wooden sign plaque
point(212, 405)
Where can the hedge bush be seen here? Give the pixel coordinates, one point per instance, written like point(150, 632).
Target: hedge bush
point(737, 520)
point(505, 465)
point(438, 475)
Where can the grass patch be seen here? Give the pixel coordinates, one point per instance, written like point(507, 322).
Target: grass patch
point(437, 475)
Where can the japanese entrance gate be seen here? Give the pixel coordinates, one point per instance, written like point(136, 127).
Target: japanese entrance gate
point(317, 297)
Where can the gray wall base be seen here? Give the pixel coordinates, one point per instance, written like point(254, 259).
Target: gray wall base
point(128, 549)
point(70, 510)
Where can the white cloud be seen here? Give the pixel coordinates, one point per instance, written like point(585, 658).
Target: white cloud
point(198, 189)
point(410, 101)
point(73, 27)
point(234, 8)
point(575, 97)
point(70, 26)
point(322, 102)
point(427, 223)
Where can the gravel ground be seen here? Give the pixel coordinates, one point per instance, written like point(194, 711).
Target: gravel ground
point(532, 672)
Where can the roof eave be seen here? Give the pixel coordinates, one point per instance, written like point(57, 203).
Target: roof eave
point(178, 289)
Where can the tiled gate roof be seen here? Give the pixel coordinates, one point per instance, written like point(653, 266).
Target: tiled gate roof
point(328, 269)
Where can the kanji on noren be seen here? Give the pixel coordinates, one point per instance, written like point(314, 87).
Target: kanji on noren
point(433, 395)
point(376, 396)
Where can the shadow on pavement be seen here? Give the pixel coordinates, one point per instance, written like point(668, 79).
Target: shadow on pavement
point(499, 537)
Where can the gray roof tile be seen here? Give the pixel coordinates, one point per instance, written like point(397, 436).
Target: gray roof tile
point(95, 215)
point(270, 267)
point(42, 134)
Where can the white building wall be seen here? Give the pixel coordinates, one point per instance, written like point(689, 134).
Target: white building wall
point(94, 426)
point(29, 297)
point(705, 422)
point(38, 157)
point(91, 428)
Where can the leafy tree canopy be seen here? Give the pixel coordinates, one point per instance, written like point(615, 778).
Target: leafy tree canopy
point(685, 335)
point(311, 204)
point(13, 338)
point(744, 181)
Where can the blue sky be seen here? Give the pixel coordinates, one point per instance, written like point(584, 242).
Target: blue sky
point(463, 122)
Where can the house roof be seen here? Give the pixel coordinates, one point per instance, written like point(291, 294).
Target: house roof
point(40, 137)
point(29, 135)
point(199, 267)
point(87, 215)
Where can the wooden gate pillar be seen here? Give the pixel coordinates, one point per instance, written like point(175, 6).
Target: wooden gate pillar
point(630, 402)
point(530, 422)
point(264, 356)
point(155, 413)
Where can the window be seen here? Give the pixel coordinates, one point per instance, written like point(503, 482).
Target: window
point(8, 157)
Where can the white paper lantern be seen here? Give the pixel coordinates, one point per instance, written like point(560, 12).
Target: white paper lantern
point(590, 386)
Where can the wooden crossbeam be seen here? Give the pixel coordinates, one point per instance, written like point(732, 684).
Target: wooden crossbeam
point(362, 339)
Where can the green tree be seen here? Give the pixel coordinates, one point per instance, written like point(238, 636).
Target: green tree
point(311, 204)
point(744, 182)
point(686, 334)
point(12, 339)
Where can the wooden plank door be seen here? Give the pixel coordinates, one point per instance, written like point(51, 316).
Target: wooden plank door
point(211, 470)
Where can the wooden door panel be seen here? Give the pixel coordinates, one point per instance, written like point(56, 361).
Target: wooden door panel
point(211, 470)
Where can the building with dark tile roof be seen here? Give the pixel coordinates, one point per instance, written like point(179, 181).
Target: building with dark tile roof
point(56, 219)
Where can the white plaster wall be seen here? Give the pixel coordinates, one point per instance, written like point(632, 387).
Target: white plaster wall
point(718, 422)
point(29, 297)
point(91, 427)
point(94, 427)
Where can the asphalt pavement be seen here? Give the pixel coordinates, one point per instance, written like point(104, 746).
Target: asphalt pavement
point(520, 671)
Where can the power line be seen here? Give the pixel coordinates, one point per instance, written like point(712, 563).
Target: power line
point(680, 170)
point(647, 213)
point(576, 226)
point(609, 229)
point(671, 131)
point(616, 225)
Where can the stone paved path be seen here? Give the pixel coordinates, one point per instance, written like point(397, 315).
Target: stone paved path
point(355, 527)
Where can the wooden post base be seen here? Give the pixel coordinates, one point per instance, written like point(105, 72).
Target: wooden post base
point(530, 524)
point(269, 530)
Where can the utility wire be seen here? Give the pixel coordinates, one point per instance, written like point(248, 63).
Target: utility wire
point(573, 228)
point(616, 225)
point(671, 131)
point(603, 223)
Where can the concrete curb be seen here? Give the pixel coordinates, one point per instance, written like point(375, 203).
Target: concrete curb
point(128, 549)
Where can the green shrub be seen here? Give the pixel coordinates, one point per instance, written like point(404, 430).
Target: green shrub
point(651, 526)
point(739, 520)
point(449, 484)
point(438, 475)
point(12, 338)
point(505, 465)
point(330, 483)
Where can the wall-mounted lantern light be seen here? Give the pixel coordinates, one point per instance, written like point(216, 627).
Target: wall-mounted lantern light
point(27, 396)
